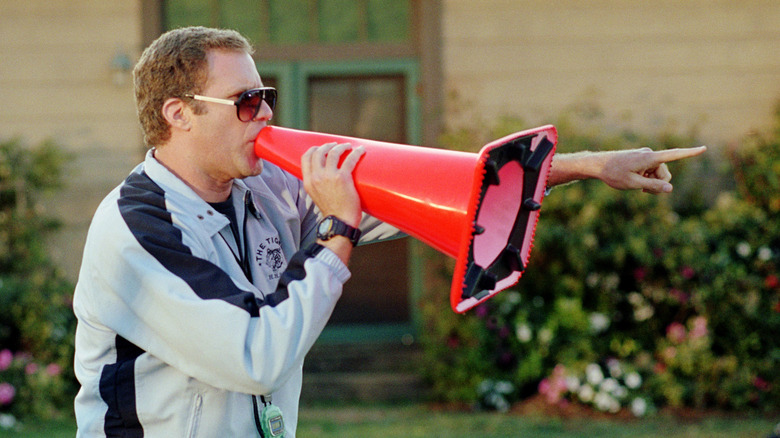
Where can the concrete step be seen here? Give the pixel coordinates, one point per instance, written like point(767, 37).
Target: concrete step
point(362, 372)
point(363, 357)
point(361, 387)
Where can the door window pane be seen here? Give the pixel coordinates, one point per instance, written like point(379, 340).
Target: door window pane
point(368, 107)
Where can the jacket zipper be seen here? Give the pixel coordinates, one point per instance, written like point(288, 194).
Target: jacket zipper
point(197, 405)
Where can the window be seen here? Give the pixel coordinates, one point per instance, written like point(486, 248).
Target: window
point(289, 22)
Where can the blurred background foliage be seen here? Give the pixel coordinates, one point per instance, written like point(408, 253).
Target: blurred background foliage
point(37, 324)
point(630, 300)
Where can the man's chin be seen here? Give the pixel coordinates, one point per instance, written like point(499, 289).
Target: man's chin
point(257, 169)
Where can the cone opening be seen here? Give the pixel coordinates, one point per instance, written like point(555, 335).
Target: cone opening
point(515, 175)
point(497, 214)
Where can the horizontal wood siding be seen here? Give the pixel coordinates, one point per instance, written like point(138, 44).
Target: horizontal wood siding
point(56, 81)
point(650, 65)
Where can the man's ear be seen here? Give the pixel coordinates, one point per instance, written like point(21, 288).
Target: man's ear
point(177, 113)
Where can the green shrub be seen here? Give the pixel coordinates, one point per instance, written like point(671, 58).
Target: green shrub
point(680, 289)
point(36, 331)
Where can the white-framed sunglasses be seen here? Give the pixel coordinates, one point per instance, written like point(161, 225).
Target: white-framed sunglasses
point(248, 103)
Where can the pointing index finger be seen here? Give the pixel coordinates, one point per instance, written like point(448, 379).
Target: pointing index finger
point(678, 154)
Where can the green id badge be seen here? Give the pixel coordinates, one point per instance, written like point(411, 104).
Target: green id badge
point(271, 421)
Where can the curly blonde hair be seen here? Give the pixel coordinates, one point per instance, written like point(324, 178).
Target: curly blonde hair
point(175, 64)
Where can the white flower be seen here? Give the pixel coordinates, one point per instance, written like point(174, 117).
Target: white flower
point(644, 313)
point(636, 299)
point(585, 393)
point(485, 386)
point(572, 383)
point(611, 281)
point(504, 387)
point(513, 297)
point(498, 402)
point(764, 254)
point(592, 280)
point(620, 392)
point(633, 380)
point(743, 249)
point(603, 401)
point(615, 370)
point(593, 374)
point(523, 333)
point(511, 300)
point(638, 407)
point(609, 385)
point(7, 421)
point(598, 322)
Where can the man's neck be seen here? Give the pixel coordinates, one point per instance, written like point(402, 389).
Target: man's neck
point(208, 188)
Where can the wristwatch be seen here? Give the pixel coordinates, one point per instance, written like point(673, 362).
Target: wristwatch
point(333, 226)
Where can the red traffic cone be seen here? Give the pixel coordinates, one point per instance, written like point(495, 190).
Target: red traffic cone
point(480, 209)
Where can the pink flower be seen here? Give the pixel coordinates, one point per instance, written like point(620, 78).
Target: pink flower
point(31, 368)
point(771, 281)
point(679, 295)
point(761, 384)
point(53, 369)
point(453, 341)
point(640, 273)
point(554, 387)
point(676, 332)
point(7, 393)
point(687, 272)
point(699, 329)
point(544, 386)
point(6, 357)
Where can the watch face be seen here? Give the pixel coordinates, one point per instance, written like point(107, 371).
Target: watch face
point(325, 226)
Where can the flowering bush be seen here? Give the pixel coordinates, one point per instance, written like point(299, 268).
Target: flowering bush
point(36, 330)
point(607, 388)
point(30, 389)
point(681, 291)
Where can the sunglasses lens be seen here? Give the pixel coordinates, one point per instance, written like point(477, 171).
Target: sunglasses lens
point(270, 97)
point(250, 102)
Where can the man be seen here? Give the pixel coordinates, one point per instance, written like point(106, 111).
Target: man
point(205, 280)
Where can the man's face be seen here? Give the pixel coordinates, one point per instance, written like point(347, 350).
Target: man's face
point(223, 145)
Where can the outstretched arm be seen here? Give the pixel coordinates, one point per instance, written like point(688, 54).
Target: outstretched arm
point(625, 170)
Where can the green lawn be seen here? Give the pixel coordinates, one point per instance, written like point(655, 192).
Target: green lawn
point(419, 421)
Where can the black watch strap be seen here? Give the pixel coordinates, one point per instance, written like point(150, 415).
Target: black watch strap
point(333, 226)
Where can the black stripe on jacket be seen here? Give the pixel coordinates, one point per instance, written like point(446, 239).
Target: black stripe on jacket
point(117, 389)
point(142, 205)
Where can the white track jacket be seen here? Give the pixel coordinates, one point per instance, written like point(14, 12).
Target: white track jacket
point(172, 338)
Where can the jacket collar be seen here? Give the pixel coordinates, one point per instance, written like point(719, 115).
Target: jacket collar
point(183, 198)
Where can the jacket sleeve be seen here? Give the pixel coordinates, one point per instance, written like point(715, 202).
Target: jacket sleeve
point(146, 285)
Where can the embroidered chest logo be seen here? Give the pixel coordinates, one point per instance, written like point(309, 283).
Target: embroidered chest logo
point(270, 258)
